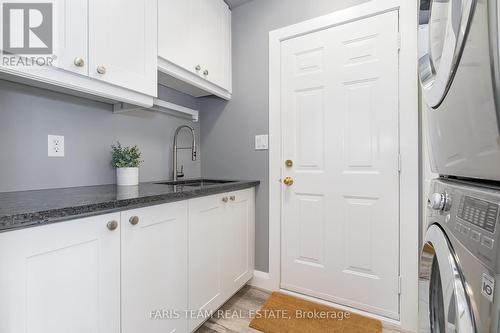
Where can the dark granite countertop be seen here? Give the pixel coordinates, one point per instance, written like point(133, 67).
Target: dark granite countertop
point(33, 208)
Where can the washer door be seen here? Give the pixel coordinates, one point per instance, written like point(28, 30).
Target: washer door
point(443, 27)
point(443, 301)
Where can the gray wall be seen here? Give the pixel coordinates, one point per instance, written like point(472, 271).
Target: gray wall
point(228, 128)
point(28, 115)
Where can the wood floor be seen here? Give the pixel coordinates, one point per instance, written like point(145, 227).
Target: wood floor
point(246, 300)
point(237, 311)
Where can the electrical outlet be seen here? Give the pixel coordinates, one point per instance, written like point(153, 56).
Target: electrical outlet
point(56, 146)
point(261, 142)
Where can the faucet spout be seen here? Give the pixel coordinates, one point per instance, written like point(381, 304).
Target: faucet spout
point(176, 149)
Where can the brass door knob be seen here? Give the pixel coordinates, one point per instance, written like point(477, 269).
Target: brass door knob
point(134, 220)
point(289, 163)
point(288, 181)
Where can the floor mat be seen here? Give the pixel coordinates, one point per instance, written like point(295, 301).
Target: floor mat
point(287, 314)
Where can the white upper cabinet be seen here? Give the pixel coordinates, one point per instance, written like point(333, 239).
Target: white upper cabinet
point(212, 41)
point(174, 32)
point(71, 35)
point(194, 46)
point(104, 50)
point(123, 43)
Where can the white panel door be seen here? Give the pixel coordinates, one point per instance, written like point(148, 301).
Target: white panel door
point(340, 227)
point(63, 277)
point(205, 251)
point(123, 43)
point(238, 230)
point(154, 268)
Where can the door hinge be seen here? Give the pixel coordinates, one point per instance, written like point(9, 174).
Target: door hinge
point(399, 41)
point(400, 282)
point(399, 163)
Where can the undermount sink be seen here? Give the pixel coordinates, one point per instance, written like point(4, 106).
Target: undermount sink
point(196, 182)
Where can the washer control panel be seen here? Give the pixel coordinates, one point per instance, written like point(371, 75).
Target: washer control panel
point(480, 213)
point(469, 217)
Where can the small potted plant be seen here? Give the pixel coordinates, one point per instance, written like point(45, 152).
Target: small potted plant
point(126, 160)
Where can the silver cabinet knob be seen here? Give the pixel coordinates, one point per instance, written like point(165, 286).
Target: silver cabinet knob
point(101, 69)
point(79, 62)
point(112, 225)
point(197, 68)
point(232, 198)
point(225, 199)
point(205, 72)
point(134, 220)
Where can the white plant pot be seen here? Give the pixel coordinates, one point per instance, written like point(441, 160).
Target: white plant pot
point(127, 176)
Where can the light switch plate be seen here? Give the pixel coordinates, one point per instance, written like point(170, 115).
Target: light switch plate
point(262, 142)
point(55, 146)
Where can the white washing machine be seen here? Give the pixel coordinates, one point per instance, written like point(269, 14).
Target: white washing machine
point(460, 80)
point(459, 272)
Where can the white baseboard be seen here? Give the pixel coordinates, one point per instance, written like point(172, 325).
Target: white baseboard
point(261, 280)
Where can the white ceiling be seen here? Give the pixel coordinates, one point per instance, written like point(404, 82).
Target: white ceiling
point(236, 3)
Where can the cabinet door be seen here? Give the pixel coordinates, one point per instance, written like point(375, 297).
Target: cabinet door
point(205, 248)
point(226, 56)
point(154, 269)
point(61, 277)
point(70, 40)
point(212, 20)
point(238, 230)
point(176, 33)
point(222, 44)
point(71, 35)
point(123, 43)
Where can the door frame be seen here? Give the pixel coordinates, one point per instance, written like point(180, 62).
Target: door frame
point(409, 146)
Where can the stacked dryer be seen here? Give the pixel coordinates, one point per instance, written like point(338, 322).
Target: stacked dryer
point(460, 82)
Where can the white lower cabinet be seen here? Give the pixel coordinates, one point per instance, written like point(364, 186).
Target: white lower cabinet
point(135, 271)
point(239, 239)
point(205, 257)
point(221, 250)
point(63, 277)
point(154, 269)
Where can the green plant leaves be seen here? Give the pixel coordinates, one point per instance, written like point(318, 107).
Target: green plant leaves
point(125, 157)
